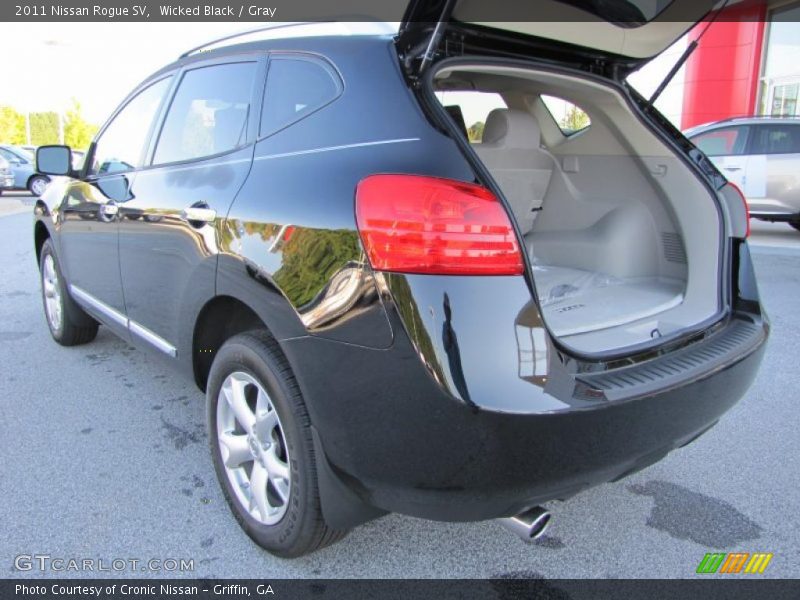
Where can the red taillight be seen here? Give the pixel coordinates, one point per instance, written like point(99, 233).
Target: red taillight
point(746, 207)
point(415, 224)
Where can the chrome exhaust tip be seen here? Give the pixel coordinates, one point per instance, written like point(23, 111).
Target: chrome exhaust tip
point(528, 525)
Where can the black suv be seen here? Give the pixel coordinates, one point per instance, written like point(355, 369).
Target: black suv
point(392, 309)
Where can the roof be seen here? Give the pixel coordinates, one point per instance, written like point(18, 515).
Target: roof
point(751, 120)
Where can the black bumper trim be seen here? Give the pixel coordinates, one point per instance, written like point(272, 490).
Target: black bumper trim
point(739, 338)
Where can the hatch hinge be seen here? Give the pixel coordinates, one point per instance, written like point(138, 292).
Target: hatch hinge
point(425, 49)
point(454, 45)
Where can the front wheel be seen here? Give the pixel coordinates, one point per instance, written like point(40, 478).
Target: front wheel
point(38, 184)
point(262, 448)
point(69, 324)
point(795, 224)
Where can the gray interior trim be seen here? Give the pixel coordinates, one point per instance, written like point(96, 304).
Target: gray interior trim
point(619, 205)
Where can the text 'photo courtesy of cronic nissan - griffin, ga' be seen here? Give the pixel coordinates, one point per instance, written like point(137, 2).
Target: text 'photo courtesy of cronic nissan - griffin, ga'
point(385, 317)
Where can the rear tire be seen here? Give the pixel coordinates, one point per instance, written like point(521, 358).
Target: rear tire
point(68, 323)
point(262, 449)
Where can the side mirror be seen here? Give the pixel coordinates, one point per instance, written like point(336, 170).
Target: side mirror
point(54, 160)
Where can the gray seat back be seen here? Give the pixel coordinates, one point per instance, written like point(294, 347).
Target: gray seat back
point(511, 150)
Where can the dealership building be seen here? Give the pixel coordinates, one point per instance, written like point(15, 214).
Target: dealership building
point(746, 63)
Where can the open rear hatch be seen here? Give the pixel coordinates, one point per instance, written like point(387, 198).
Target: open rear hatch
point(625, 239)
point(612, 36)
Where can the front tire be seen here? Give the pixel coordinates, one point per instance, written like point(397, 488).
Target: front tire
point(68, 323)
point(261, 446)
point(795, 224)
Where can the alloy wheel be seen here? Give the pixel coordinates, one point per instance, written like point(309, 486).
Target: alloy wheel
point(52, 293)
point(38, 186)
point(253, 448)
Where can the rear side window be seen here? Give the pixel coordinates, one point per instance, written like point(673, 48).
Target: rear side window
point(208, 114)
point(470, 109)
point(296, 87)
point(776, 139)
point(727, 141)
point(121, 144)
point(569, 117)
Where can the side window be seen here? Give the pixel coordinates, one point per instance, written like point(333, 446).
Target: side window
point(776, 139)
point(296, 87)
point(120, 146)
point(9, 156)
point(727, 141)
point(569, 117)
point(470, 109)
point(208, 114)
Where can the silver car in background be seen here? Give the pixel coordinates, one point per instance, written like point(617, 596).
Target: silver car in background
point(6, 176)
point(761, 155)
point(23, 166)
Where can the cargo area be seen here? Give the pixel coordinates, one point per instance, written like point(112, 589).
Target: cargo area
point(624, 238)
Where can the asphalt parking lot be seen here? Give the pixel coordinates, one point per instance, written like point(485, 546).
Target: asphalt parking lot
point(104, 455)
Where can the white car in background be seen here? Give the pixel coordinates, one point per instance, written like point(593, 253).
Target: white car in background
point(761, 155)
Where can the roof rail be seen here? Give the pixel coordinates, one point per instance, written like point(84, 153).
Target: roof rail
point(756, 117)
point(250, 31)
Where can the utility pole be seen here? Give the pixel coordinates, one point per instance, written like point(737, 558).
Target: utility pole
point(28, 127)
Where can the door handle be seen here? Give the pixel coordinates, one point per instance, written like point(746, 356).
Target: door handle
point(198, 214)
point(732, 168)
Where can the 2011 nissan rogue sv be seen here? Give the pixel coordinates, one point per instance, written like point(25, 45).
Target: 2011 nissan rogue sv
point(388, 317)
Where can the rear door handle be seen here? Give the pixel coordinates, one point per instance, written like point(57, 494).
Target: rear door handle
point(198, 213)
point(732, 168)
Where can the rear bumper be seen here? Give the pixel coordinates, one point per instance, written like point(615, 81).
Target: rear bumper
point(774, 209)
point(783, 217)
point(458, 421)
point(404, 445)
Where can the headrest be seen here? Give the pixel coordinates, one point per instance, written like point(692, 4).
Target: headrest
point(511, 129)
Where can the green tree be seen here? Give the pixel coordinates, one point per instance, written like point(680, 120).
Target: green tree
point(575, 119)
point(44, 128)
point(12, 126)
point(78, 132)
point(475, 132)
point(310, 259)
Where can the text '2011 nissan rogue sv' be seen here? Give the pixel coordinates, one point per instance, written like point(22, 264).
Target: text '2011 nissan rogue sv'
point(387, 317)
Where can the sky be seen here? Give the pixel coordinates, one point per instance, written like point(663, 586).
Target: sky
point(100, 63)
point(47, 64)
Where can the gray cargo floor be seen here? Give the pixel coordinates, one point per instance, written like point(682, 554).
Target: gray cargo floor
point(576, 301)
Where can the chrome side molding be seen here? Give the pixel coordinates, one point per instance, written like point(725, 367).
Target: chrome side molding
point(84, 297)
point(98, 305)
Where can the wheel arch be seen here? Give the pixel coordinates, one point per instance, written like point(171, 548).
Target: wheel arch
point(40, 235)
point(221, 318)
